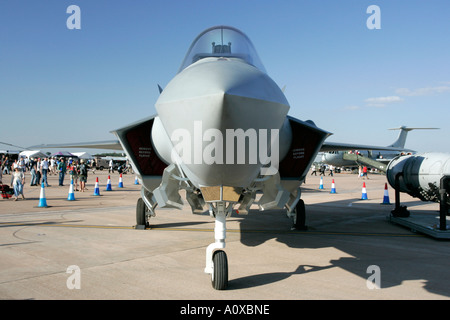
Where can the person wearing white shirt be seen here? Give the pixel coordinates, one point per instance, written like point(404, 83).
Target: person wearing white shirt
point(18, 182)
point(44, 169)
point(53, 165)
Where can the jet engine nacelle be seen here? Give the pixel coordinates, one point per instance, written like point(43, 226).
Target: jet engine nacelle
point(420, 174)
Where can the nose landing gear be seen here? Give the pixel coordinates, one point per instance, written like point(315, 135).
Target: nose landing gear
point(216, 259)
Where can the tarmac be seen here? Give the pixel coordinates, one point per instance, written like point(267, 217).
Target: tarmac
point(89, 249)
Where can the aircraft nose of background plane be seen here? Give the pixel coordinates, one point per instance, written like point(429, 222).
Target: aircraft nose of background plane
point(221, 94)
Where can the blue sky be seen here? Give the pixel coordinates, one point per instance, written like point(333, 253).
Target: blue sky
point(59, 85)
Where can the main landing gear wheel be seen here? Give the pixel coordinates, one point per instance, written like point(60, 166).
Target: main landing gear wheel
point(300, 216)
point(219, 276)
point(141, 213)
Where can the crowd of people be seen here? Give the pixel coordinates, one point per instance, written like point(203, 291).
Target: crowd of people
point(41, 168)
point(362, 170)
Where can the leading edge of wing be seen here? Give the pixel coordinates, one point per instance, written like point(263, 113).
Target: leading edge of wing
point(107, 144)
point(337, 146)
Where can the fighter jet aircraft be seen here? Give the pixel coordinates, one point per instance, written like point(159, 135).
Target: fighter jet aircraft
point(336, 158)
point(221, 133)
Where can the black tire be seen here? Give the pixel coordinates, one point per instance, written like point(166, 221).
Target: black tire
point(300, 216)
point(219, 279)
point(141, 213)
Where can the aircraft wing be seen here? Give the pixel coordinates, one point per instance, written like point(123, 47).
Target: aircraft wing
point(337, 146)
point(107, 144)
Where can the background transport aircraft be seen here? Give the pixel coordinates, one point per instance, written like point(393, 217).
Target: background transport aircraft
point(221, 133)
point(336, 158)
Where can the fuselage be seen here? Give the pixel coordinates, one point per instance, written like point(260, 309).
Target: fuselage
point(224, 118)
point(335, 158)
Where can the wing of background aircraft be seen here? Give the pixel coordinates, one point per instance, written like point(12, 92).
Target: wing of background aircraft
point(337, 146)
point(107, 144)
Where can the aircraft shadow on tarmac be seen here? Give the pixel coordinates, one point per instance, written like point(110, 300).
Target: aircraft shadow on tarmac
point(176, 224)
point(401, 256)
point(267, 278)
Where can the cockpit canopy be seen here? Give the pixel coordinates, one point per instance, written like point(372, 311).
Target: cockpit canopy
point(222, 41)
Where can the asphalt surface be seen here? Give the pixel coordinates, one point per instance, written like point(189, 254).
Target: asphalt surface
point(89, 248)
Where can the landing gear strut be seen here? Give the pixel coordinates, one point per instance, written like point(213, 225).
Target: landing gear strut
point(216, 260)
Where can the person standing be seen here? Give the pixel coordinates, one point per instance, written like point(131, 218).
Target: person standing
point(83, 175)
point(365, 173)
point(52, 165)
point(21, 164)
point(111, 166)
point(33, 172)
point(44, 170)
point(62, 171)
point(73, 171)
point(93, 165)
point(18, 183)
point(6, 164)
point(38, 171)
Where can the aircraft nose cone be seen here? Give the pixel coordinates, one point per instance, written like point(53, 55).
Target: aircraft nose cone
point(212, 76)
point(212, 97)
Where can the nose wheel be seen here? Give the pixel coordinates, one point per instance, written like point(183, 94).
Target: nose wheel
point(219, 275)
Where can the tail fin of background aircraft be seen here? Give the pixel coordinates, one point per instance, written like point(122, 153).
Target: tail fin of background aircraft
point(401, 140)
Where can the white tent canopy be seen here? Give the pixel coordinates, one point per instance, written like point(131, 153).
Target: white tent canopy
point(83, 155)
point(32, 154)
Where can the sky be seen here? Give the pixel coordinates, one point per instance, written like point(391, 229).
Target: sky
point(60, 85)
